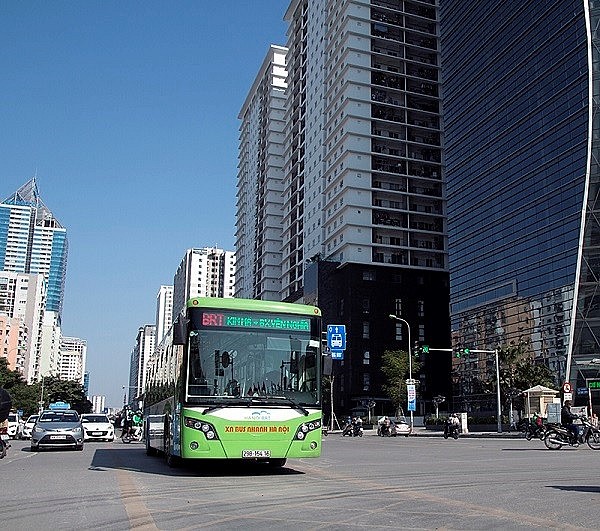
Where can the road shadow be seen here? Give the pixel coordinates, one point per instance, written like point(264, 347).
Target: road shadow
point(533, 449)
point(134, 458)
point(576, 488)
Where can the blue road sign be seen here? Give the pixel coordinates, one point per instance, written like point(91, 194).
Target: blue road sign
point(336, 337)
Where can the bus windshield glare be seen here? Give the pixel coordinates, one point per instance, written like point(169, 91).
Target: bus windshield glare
point(235, 356)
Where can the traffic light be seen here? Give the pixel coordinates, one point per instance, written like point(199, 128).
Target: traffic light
point(458, 352)
point(419, 349)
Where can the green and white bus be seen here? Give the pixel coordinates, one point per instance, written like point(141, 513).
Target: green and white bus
point(237, 379)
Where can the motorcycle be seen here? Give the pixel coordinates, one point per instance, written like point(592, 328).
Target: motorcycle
point(4, 438)
point(132, 434)
point(451, 429)
point(352, 430)
point(532, 429)
point(558, 436)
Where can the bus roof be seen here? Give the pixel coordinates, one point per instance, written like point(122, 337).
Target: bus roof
point(229, 303)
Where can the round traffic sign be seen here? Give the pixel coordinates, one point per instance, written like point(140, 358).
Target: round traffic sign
point(567, 387)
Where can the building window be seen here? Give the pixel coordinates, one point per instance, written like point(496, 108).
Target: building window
point(421, 308)
point(398, 307)
point(366, 357)
point(366, 305)
point(366, 381)
point(368, 275)
point(366, 328)
point(398, 331)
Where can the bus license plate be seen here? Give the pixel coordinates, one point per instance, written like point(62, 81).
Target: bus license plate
point(256, 453)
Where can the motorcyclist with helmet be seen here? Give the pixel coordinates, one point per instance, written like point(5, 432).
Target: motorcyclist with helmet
point(567, 418)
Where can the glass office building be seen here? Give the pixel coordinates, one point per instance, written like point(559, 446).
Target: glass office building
point(33, 241)
point(521, 160)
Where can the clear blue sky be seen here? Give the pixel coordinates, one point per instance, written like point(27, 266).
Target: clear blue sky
point(127, 112)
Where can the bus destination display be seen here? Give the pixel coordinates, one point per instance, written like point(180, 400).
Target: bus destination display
point(263, 322)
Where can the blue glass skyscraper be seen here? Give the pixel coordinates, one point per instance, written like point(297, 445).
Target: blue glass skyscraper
point(33, 241)
point(521, 156)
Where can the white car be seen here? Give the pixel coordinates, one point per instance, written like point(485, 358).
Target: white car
point(15, 426)
point(97, 427)
point(29, 423)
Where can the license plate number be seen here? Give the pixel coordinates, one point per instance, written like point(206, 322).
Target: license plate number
point(58, 436)
point(4, 437)
point(96, 433)
point(256, 453)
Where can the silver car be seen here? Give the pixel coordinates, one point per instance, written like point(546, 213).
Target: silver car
point(57, 429)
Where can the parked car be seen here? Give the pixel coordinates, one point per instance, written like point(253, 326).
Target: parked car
point(15, 426)
point(97, 427)
point(400, 427)
point(57, 429)
point(29, 426)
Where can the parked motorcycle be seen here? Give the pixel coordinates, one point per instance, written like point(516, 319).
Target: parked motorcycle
point(532, 429)
point(558, 436)
point(451, 427)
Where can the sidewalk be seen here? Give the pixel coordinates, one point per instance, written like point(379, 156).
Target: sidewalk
point(420, 431)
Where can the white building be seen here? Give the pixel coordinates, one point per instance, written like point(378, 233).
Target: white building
point(98, 403)
point(164, 311)
point(73, 354)
point(260, 182)
point(23, 297)
point(144, 347)
point(206, 272)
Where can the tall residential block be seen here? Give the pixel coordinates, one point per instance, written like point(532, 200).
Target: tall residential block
point(22, 303)
point(32, 241)
point(164, 311)
point(364, 227)
point(260, 182)
point(204, 272)
point(98, 403)
point(143, 349)
point(521, 94)
point(73, 357)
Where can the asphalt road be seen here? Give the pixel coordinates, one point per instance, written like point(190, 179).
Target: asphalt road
point(369, 482)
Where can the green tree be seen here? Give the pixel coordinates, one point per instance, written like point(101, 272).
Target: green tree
point(518, 371)
point(8, 377)
point(395, 368)
point(57, 390)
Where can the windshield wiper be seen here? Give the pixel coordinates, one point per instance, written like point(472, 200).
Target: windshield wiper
point(293, 403)
point(224, 405)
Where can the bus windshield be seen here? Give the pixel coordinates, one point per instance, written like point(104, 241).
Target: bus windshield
point(253, 357)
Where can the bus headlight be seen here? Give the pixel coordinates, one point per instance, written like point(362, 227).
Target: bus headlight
point(307, 427)
point(205, 427)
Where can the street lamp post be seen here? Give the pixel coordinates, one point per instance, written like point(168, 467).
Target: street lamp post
point(410, 378)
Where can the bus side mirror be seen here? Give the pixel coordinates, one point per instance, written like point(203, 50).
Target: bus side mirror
point(327, 365)
point(179, 330)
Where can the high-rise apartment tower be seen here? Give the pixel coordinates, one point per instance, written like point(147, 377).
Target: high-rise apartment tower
point(364, 232)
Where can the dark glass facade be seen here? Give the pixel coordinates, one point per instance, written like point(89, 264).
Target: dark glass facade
point(523, 264)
